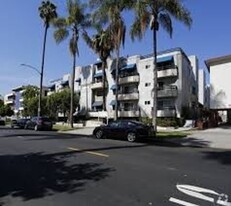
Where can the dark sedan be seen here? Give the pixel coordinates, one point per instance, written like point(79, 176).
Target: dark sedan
point(131, 130)
point(19, 123)
point(39, 123)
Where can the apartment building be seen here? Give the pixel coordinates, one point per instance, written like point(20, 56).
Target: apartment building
point(177, 86)
point(57, 85)
point(15, 100)
point(220, 93)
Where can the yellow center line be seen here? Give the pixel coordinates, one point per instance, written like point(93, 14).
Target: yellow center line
point(89, 152)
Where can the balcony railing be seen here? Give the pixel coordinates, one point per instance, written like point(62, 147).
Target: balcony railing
point(166, 112)
point(167, 71)
point(169, 91)
point(97, 85)
point(9, 101)
point(129, 96)
point(99, 114)
point(130, 113)
point(98, 98)
point(132, 78)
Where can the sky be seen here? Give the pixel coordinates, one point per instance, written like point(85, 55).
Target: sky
point(22, 32)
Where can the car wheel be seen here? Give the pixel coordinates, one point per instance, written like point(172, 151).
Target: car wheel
point(99, 134)
point(36, 127)
point(131, 136)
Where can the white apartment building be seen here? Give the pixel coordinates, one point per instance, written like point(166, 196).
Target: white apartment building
point(220, 92)
point(15, 100)
point(177, 86)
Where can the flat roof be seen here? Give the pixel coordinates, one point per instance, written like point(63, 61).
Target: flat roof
point(217, 60)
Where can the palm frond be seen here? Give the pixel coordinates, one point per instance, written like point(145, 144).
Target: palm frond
point(178, 11)
point(60, 35)
point(60, 23)
point(87, 39)
point(166, 22)
point(47, 12)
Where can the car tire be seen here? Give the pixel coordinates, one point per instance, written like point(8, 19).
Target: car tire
point(36, 128)
point(131, 136)
point(99, 134)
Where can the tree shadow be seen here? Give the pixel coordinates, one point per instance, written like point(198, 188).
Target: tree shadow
point(224, 157)
point(36, 175)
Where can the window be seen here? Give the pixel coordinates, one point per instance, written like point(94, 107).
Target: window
point(148, 84)
point(147, 102)
point(147, 66)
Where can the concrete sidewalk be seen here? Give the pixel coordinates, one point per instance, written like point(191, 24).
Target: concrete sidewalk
point(219, 138)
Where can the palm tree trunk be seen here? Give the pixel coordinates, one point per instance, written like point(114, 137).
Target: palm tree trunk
point(154, 111)
point(41, 73)
point(72, 91)
point(117, 83)
point(104, 86)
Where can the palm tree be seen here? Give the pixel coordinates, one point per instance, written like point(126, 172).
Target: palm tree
point(149, 13)
point(110, 11)
point(74, 23)
point(101, 44)
point(47, 12)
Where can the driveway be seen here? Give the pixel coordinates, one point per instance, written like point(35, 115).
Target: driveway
point(219, 138)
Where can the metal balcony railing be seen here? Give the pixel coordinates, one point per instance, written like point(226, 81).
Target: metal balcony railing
point(168, 91)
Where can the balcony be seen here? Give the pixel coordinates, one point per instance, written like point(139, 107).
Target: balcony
point(130, 96)
point(167, 71)
point(9, 101)
point(129, 79)
point(98, 98)
point(166, 112)
point(99, 114)
point(170, 91)
point(131, 113)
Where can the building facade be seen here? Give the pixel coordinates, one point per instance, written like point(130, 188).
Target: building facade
point(203, 89)
point(177, 86)
point(15, 100)
point(220, 93)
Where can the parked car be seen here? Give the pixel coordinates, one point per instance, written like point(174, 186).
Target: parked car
point(131, 130)
point(19, 123)
point(39, 123)
point(2, 122)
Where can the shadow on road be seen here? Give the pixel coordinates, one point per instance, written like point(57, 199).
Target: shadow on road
point(224, 157)
point(36, 175)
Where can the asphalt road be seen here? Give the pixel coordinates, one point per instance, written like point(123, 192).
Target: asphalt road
point(47, 168)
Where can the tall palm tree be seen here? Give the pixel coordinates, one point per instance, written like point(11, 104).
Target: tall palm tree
point(110, 11)
point(74, 23)
point(149, 14)
point(102, 44)
point(47, 12)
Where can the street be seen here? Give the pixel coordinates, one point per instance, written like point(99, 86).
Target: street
point(49, 168)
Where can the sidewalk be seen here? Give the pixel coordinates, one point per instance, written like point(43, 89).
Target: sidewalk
point(219, 138)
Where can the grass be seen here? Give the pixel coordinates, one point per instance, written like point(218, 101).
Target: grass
point(58, 127)
point(168, 135)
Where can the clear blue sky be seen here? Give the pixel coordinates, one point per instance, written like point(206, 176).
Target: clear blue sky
point(22, 32)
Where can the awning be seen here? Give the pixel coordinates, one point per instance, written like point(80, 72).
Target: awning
point(51, 86)
point(64, 83)
point(78, 80)
point(100, 74)
point(113, 103)
point(164, 59)
point(129, 67)
point(113, 87)
point(97, 104)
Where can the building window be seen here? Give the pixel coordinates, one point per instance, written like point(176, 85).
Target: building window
point(148, 84)
point(147, 66)
point(193, 90)
point(147, 102)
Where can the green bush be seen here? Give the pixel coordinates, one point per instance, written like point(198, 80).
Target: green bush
point(167, 122)
point(146, 120)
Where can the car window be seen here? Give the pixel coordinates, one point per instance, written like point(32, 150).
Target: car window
point(34, 119)
point(131, 124)
point(113, 124)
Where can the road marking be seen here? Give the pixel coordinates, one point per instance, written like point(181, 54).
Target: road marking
point(98, 154)
point(89, 152)
point(194, 191)
point(181, 202)
point(74, 149)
